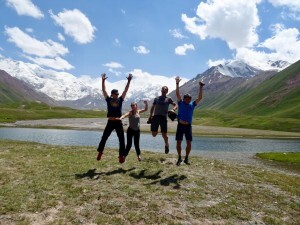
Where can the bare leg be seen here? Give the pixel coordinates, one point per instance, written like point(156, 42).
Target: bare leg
point(178, 147)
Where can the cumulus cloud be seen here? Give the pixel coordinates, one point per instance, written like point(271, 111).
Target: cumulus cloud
point(177, 34)
point(33, 46)
point(181, 50)
point(141, 50)
point(75, 25)
point(60, 37)
point(233, 21)
point(293, 7)
point(113, 65)
point(25, 8)
point(211, 63)
point(283, 45)
point(56, 63)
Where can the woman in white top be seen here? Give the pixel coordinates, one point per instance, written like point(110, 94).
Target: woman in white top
point(133, 130)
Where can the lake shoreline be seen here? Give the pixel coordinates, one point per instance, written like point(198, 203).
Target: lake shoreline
point(98, 124)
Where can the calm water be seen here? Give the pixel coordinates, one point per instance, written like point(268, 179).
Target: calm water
point(201, 145)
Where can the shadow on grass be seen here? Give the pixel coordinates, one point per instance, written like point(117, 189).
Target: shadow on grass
point(174, 179)
point(141, 175)
point(92, 174)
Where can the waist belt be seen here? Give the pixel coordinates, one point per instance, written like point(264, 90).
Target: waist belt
point(184, 122)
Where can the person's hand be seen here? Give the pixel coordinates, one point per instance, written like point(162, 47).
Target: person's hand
point(177, 79)
point(104, 77)
point(201, 84)
point(129, 77)
point(145, 102)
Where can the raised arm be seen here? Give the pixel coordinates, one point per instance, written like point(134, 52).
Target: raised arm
point(104, 77)
point(127, 85)
point(145, 109)
point(177, 88)
point(200, 92)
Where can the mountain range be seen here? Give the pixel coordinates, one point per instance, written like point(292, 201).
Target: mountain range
point(225, 85)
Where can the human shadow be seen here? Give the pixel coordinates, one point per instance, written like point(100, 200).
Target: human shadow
point(174, 179)
point(141, 175)
point(92, 174)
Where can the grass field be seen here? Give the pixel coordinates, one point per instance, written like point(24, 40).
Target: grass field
point(43, 184)
point(289, 157)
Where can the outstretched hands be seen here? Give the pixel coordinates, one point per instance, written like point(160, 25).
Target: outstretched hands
point(177, 79)
point(201, 84)
point(104, 77)
point(129, 77)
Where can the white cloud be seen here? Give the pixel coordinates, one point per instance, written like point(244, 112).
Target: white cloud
point(233, 21)
point(181, 50)
point(33, 46)
point(75, 25)
point(284, 45)
point(55, 63)
point(293, 7)
point(25, 8)
point(29, 30)
point(123, 11)
point(60, 37)
point(177, 34)
point(141, 50)
point(211, 63)
point(113, 65)
point(117, 42)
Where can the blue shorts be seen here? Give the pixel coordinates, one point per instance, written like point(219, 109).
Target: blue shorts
point(184, 130)
point(159, 121)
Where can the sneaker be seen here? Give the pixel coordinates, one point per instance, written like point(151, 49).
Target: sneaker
point(186, 161)
point(99, 155)
point(166, 149)
point(139, 158)
point(179, 161)
point(121, 159)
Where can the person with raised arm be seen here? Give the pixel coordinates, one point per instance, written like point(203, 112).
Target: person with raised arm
point(185, 116)
point(114, 112)
point(133, 130)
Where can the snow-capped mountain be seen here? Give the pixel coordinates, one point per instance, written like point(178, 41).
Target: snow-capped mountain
point(84, 92)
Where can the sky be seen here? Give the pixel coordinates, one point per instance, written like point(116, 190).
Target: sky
point(157, 37)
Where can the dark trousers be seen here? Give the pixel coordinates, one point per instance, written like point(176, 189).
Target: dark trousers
point(110, 126)
point(135, 134)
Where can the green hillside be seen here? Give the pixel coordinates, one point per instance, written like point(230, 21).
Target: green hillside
point(278, 96)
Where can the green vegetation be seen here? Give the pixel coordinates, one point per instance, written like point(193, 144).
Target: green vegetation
point(225, 119)
point(66, 185)
point(35, 110)
point(290, 157)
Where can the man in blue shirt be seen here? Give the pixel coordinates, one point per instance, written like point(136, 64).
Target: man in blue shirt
point(114, 112)
point(185, 117)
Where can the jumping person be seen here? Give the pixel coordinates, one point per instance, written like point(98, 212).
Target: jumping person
point(185, 117)
point(133, 130)
point(114, 112)
point(158, 115)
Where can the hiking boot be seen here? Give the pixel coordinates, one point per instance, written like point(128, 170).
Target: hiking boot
point(166, 149)
point(186, 161)
point(99, 156)
point(121, 159)
point(179, 161)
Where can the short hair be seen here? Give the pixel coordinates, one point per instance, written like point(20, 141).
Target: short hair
point(187, 96)
point(114, 91)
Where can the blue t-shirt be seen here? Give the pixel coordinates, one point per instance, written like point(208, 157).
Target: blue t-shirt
point(185, 111)
point(114, 106)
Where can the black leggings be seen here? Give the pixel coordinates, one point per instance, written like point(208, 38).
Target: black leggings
point(136, 135)
point(110, 126)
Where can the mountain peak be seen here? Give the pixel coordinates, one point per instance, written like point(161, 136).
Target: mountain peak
point(236, 68)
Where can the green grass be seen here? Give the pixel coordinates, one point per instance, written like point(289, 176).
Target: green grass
point(290, 157)
point(32, 111)
point(225, 119)
point(43, 184)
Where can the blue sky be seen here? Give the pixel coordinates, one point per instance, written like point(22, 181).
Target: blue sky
point(158, 37)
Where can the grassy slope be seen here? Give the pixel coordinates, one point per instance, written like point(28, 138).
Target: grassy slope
point(65, 185)
point(272, 97)
point(32, 110)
